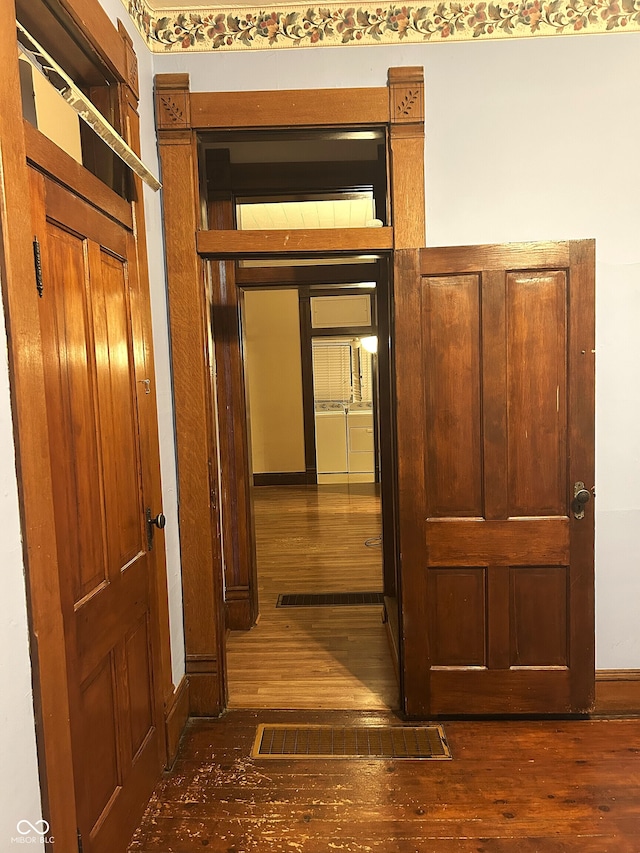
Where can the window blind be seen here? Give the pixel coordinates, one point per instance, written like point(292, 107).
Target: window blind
point(332, 371)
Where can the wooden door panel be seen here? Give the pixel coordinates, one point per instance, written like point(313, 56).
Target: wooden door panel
point(98, 705)
point(70, 401)
point(516, 542)
point(454, 472)
point(494, 377)
point(536, 337)
point(139, 682)
point(116, 402)
point(499, 692)
point(116, 604)
point(457, 610)
point(534, 591)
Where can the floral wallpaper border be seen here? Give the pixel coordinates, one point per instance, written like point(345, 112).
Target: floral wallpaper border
point(379, 23)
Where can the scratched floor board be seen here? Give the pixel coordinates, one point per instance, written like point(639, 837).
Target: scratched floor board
point(512, 787)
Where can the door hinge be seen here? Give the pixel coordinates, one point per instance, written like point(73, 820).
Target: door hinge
point(37, 259)
point(80, 844)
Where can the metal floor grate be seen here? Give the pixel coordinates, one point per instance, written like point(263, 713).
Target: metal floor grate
point(329, 599)
point(291, 741)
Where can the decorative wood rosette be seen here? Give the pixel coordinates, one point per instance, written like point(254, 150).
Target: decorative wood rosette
point(283, 26)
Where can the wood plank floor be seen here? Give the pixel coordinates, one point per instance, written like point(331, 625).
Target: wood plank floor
point(311, 539)
point(512, 787)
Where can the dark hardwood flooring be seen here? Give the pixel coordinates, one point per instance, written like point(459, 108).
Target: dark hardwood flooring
point(512, 787)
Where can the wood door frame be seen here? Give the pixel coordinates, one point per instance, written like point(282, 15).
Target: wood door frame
point(180, 116)
point(98, 44)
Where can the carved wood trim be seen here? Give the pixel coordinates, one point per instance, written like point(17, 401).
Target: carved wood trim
point(130, 62)
point(173, 102)
point(406, 141)
point(406, 95)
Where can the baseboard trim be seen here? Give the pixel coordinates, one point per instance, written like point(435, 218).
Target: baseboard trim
point(618, 692)
point(175, 718)
point(284, 478)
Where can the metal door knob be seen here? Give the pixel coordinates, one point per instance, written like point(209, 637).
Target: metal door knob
point(159, 521)
point(582, 496)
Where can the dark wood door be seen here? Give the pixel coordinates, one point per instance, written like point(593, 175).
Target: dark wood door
point(92, 374)
point(495, 419)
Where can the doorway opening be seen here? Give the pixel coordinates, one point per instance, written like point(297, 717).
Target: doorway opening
point(315, 420)
point(312, 481)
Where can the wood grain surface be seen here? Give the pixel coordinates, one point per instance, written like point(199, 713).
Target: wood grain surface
point(311, 539)
point(514, 787)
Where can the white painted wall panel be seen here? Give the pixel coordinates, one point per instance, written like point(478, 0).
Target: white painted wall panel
point(19, 789)
point(525, 140)
point(157, 283)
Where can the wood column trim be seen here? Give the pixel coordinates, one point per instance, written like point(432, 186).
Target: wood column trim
point(195, 436)
point(234, 435)
point(20, 300)
point(406, 156)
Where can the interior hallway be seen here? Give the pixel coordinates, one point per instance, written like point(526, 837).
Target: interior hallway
point(311, 539)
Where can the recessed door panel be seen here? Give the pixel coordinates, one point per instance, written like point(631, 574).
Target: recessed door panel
point(101, 771)
point(70, 401)
point(116, 404)
point(539, 617)
point(452, 376)
point(536, 331)
point(457, 617)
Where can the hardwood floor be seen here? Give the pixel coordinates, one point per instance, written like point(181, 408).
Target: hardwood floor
point(311, 539)
point(512, 787)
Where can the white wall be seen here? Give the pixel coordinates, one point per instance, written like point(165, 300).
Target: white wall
point(20, 795)
point(525, 140)
point(157, 283)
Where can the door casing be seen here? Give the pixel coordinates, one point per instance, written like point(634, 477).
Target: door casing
point(202, 472)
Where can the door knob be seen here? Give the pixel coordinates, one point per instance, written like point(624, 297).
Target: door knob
point(581, 496)
point(159, 521)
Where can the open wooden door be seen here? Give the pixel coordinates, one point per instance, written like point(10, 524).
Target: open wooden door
point(94, 369)
point(494, 351)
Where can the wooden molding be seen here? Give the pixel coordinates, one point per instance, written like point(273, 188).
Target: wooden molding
point(406, 156)
point(617, 691)
point(290, 108)
point(220, 242)
point(406, 95)
point(238, 612)
point(32, 457)
point(175, 717)
point(130, 62)
point(173, 105)
point(195, 438)
point(50, 159)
